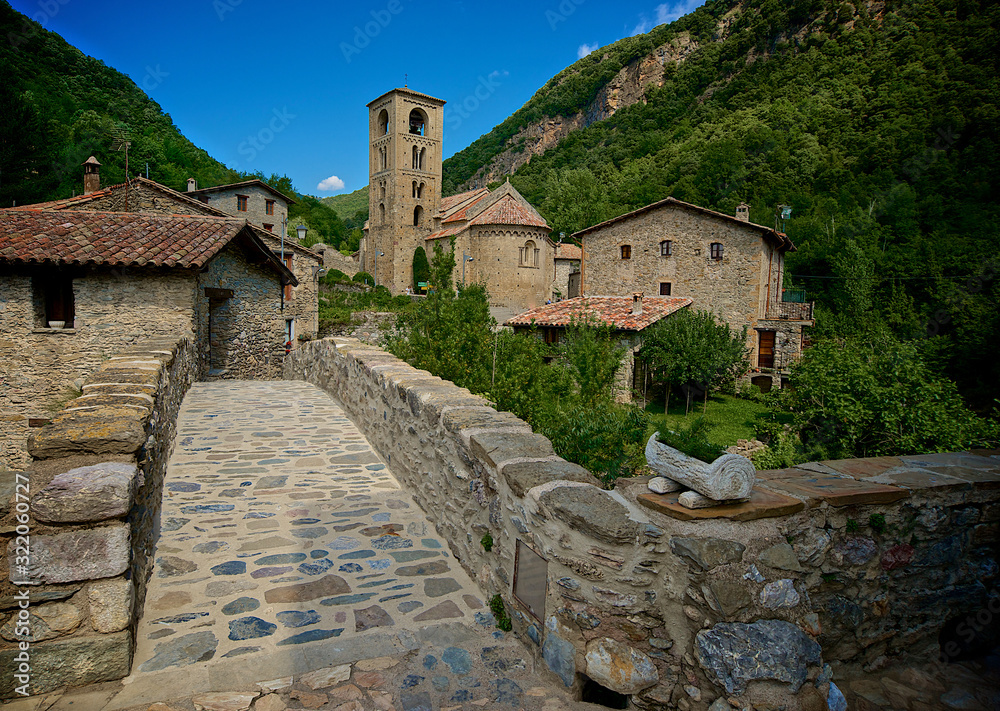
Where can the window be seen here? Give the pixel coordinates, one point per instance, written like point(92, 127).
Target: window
point(383, 122)
point(241, 203)
point(381, 214)
point(423, 155)
point(269, 228)
point(54, 303)
point(418, 214)
point(382, 190)
point(664, 288)
point(765, 349)
point(287, 259)
point(418, 122)
point(665, 248)
point(382, 154)
point(415, 162)
point(289, 334)
point(528, 256)
point(269, 207)
point(626, 251)
point(716, 251)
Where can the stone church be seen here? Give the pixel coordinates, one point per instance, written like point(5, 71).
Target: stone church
point(500, 239)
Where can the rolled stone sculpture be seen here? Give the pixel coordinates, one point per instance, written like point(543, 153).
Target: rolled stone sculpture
point(728, 477)
point(662, 485)
point(694, 500)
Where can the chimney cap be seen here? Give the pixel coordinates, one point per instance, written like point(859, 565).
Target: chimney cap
point(90, 161)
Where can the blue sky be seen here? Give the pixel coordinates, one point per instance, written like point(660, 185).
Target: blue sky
point(282, 87)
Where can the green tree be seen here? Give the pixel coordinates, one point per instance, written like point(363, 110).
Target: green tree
point(691, 348)
point(421, 268)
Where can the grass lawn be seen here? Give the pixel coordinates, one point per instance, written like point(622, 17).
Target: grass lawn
point(728, 418)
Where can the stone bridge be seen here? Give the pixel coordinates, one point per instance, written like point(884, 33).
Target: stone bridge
point(215, 535)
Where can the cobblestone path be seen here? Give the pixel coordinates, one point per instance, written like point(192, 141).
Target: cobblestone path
point(286, 545)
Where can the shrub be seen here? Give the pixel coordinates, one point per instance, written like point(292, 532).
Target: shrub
point(692, 441)
point(364, 278)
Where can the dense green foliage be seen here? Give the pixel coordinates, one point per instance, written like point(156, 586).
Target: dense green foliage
point(349, 204)
point(569, 400)
point(59, 106)
point(421, 268)
point(878, 128)
point(692, 440)
point(692, 349)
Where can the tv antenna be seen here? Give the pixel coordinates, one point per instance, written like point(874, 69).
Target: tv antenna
point(121, 141)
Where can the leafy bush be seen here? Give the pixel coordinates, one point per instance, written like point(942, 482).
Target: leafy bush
point(608, 439)
point(691, 440)
point(364, 278)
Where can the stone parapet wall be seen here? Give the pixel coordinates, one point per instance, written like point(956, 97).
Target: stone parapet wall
point(95, 486)
point(830, 566)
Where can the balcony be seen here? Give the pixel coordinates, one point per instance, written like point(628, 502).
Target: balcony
point(790, 311)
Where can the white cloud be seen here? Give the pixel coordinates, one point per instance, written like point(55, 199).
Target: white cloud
point(641, 28)
point(331, 183)
point(668, 12)
point(585, 49)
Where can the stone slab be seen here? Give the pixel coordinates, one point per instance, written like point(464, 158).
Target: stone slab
point(762, 504)
point(981, 478)
point(837, 491)
point(522, 476)
point(72, 662)
point(495, 448)
point(89, 554)
point(87, 494)
point(108, 430)
point(918, 480)
point(862, 468)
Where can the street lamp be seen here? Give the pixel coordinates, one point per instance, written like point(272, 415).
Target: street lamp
point(301, 231)
point(465, 258)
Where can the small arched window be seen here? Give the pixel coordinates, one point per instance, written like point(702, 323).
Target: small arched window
point(626, 251)
point(418, 122)
point(383, 158)
point(528, 255)
point(420, 190)
point(383, 122)
point(666, 246)
point(423, 155)
point(382, 191)
point(415, 194)
point(416, 158)
point(716, 251)
point(381, 213)
point(418, 215)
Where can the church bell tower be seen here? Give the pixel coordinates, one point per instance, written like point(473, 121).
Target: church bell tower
point(404, 184)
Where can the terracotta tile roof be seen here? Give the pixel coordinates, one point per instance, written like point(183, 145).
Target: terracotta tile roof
point(70, 203)
point(445, 233)
point(508, 211)
point(779, 237)
point(462, 213)
point(125, 239)
point(614, 310)
point(453, 201)
point(568, 251)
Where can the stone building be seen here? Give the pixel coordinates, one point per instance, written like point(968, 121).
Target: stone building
point(566, 270)
point(500, 239)
point(252, 200)
point(299, 308)
point(77, 287)
point(627, 316)
point(723, 263)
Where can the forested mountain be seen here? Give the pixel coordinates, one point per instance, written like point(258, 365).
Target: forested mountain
point(349, 205)
point(58, 106)
point(877, 122)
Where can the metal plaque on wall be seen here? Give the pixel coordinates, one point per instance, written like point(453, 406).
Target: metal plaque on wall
point(530, 579)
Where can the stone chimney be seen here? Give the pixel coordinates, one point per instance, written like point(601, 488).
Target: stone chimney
point(743, 212)
point(637, 303)
point(91, 176)
point(192, 185)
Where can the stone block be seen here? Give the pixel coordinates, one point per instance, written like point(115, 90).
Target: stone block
point(619, 667)
point(591, 511)
point(495, 448)
point(460, 416)
point(87, 554)
point(110, 604)
point(736, 654)
point(707, 553)
point(726, 598)
point(838, 490)
point(109, 430)
point(76, 661)
point(779, 594)
point(46, 622)
point(522, 476)
point(781, 556)
point(85, 494)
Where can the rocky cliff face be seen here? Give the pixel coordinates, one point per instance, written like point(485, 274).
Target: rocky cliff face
point(629, 86)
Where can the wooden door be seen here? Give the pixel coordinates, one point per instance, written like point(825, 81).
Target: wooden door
point(765, 349)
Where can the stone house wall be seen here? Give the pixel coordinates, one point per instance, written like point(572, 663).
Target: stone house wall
point(41, 367)
point(95, 487)
point(560, 280)
point(257, 198)
point(247, 336)
point(139, 197)
point(670, 610)
point(735, 288)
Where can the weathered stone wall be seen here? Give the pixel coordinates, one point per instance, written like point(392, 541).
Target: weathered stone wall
point(255, 213)
point(735, 288)
point(40, 367)
point(560, 281)
point(303, 305)
point(676, 612)
point(248, 329)
point(95, 488)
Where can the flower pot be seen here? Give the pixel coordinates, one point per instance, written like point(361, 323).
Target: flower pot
point(57, 324)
